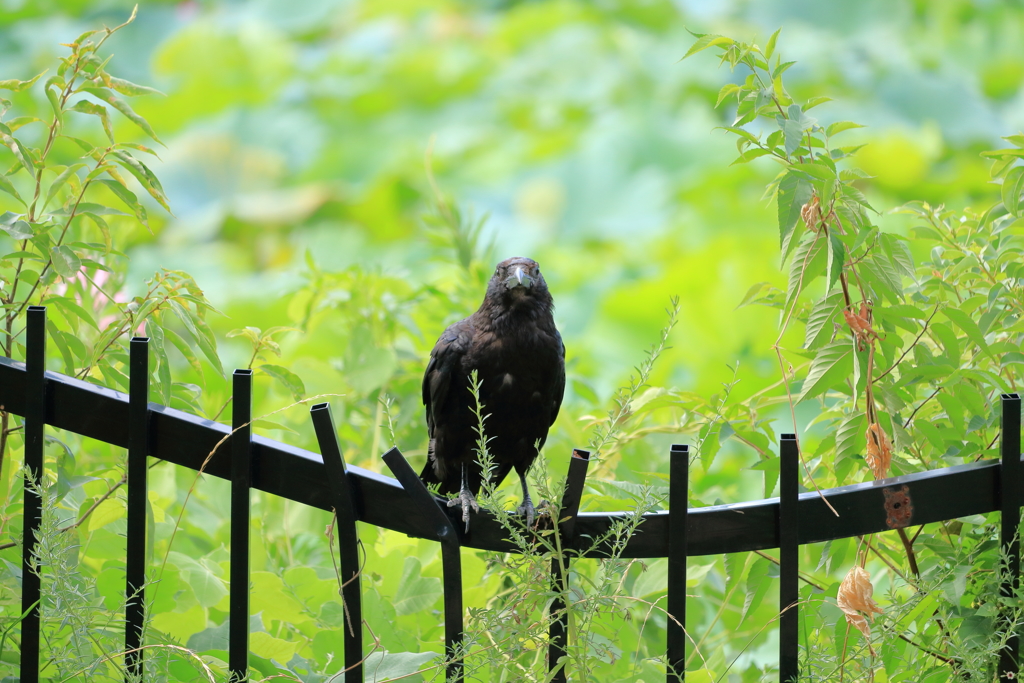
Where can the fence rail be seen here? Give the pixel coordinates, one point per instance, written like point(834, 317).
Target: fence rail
point(404, 505)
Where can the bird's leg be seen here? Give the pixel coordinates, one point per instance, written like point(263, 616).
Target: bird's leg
point(527, 507)
point(466, 498)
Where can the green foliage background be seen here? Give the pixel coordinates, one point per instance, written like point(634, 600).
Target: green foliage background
point(296, 138)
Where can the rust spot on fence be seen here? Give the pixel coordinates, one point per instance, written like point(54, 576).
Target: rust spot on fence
point(898, 507)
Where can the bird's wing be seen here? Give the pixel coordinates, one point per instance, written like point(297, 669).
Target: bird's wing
point(444, 363)
point(559, 381)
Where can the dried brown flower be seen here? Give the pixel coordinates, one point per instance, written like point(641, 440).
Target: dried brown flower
point(854, 598)
point(879, 455)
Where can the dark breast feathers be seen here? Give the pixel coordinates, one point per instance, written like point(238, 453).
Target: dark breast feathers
point(512, 342)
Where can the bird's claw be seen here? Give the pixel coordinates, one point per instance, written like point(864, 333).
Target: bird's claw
point(467, 500)
point(526, 508)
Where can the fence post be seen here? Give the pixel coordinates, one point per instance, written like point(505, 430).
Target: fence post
point(348, 538)
point(241, 482)
point(678, 508)
point(789, 558)
point(135, 546)
point(567, 511)
point(1010, 503)
point(451, 559)
point(35, 420)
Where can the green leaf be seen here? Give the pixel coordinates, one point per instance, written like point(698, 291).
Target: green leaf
point(130, 89)
point(850, 439)
point(415, 592)
point(727, 89)
point(791, 131)
point(60, 181)
point(65, 261)
point(19, 152)
point(807, 264)
point(122, 106)
point(15, 85)
point(1013, 186)
point(289, 379)
point(830, 365)
point(184, 348)
point(98, 110)
point(18, 229)
point(69, 305)
point(103, 228)
point(970, 328)
point(949, 341)
point(794, 192)
point(128, 197)
point(818, 329)
point(836, 258)
point(758, 584)
point(8, 187)
point(899, 254)
point(815, 101)
point(705, 41)
point(840, 126)
point(52, 96)
point(392, 666)
point(145, 177)
point(820, 171)
point(769, 49)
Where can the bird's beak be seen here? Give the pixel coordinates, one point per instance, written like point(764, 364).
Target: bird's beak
point(519, 279)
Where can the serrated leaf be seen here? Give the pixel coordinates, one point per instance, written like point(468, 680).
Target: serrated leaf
point(794, 191)
point(819, 171)
point(757, 586)
point(836, 258)
point(815, 101)
point(792, 133)
point(65, 261)
point(1013, 186)
point(899, 253)
point(840, 126)
point(818, 330)
point(289, 379)
point(727, 89)
point(831, 364)
point(808, 263)
point(705, 41)
point(850, 439)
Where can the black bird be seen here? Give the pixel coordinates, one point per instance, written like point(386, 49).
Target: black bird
point(512, 343)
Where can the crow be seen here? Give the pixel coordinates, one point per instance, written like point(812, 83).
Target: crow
point(512, 343)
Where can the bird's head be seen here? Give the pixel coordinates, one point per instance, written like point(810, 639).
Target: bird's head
point(518, 279)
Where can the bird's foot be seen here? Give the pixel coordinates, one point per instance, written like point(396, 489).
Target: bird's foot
point(527, 509)
point(467, 500)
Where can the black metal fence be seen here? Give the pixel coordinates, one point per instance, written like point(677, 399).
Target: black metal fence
point(325, 481)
